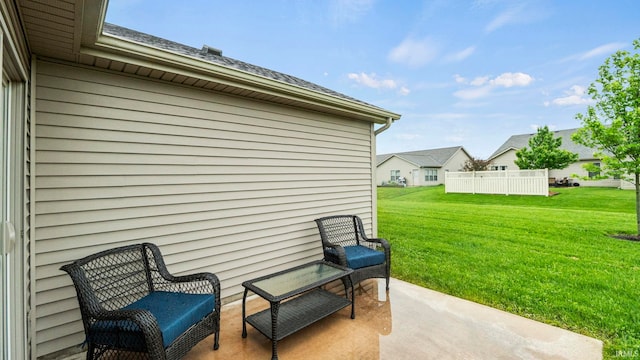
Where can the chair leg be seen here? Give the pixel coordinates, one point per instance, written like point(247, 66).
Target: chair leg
point(216, 335)
point(216, 344)
point(89, 353)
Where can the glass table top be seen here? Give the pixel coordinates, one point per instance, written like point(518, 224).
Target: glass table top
point(290, 281)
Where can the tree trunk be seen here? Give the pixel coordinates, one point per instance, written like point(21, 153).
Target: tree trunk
point(638, 203)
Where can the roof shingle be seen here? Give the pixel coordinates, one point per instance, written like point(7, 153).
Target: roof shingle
point(160, 43)
point(424, 158)
point(517, 142)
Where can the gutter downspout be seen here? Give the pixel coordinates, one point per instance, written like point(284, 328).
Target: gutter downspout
point(385, 126)
point(374, 190)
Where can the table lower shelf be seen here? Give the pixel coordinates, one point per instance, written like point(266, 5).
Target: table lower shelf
point(298, 313)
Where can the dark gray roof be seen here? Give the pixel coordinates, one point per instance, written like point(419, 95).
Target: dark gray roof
point(153, 41)
point(424, 158)
point(519, 141)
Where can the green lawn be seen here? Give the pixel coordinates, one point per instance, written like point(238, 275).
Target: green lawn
point(545, 258)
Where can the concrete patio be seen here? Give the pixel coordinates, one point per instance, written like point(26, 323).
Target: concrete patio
point(410, 322)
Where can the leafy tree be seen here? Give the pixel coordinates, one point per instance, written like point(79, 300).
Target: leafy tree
point(476, 164)
point(544, 152)
point(612, 125)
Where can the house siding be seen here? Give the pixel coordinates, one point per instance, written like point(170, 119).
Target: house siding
point(220, 183)
point(421, 168)
point(508, 159)
point(578, 169)
point(395, 163)
point(455, 163)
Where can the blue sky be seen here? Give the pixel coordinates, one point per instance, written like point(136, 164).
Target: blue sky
point(469, 73)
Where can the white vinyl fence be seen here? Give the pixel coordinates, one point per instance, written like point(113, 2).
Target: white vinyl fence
point(627, 185)
point(507, 182)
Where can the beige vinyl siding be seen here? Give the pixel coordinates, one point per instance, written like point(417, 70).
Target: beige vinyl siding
point(576, 168)
point(220, 183)
point(455, 163)
point(396, 163)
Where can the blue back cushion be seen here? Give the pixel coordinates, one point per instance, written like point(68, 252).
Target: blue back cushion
point(175, 313)
point(362, 256)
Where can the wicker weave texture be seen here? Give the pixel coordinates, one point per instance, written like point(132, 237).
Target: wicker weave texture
point(107, 281)
point(298, 313)
point(338, 231)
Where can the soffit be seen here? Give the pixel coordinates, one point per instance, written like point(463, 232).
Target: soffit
point(51, 27)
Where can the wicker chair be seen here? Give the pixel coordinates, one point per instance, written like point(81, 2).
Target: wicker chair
point(133, 308)
point(344, 242)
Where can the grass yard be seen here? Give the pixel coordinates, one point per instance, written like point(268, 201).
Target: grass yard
point(545, 258)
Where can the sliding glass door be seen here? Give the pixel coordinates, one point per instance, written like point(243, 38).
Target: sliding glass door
point(12, 334)
point(13, 270)
point(4, 225)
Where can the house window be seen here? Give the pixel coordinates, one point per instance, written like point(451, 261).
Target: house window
point(593, 174)
point(395, 175)
point(498, 167)
point(431, 175)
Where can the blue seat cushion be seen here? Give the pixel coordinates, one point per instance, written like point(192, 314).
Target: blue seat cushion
point(174, 312)
point(360, 256)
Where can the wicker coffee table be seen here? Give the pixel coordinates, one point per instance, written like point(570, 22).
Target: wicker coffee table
point(306, 301)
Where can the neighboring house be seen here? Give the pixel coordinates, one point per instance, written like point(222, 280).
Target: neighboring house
point(420, 168)
point(504, 157)
point(113, 137)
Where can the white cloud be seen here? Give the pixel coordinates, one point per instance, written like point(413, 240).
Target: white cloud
point(602, 50)
point(479, 81)
point(413, 52)
point(408, 136)
point(576, 95)
point(404, 91)
point(349, 11)
point(473, 93)
point(460, 55)
point(372, 81)
point(509, 16)
point(522, 13)
point(606, 49)
point(459, 79)
point(483, 85)
point(512, 79)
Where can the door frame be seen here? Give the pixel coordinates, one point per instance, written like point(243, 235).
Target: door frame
point(415, 177)
point(13, 112)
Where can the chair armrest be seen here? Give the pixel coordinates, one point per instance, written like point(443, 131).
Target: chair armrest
point(145, 321)
point(383, 242)
point(199, 283)
point(385, 246)
point(337, 256)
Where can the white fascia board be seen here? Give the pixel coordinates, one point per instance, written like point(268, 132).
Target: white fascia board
point(111, 47)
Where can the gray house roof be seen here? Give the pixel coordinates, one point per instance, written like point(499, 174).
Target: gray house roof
point(216, 58)
point(423, 158)
point(516, 142)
